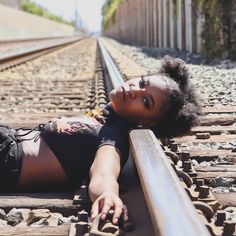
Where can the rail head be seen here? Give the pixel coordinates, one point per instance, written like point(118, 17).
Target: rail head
point(170, 208)
point(114, 74)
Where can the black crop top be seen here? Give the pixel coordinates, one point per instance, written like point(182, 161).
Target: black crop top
point(75, 141)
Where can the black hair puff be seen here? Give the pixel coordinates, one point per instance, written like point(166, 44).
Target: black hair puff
point(176, 69)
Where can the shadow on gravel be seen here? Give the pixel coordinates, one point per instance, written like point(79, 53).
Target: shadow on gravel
point(188, 57)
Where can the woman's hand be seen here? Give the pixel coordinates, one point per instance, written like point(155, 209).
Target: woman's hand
point(103, 187)
point(107, 201)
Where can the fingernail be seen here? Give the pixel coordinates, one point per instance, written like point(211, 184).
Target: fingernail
point(115, 221)
point(103, 216)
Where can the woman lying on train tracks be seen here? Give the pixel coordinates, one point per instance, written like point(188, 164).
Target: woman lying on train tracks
point(64, 151)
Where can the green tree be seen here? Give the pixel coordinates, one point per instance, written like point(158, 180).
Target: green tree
point(34, 9)
point(109, 13)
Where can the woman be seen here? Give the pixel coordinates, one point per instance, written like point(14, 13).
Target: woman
point(66, 150)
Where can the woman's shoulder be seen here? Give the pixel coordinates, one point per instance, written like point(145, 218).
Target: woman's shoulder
point(72, 124)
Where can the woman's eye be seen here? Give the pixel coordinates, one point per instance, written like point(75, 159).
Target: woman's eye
point(146, 102)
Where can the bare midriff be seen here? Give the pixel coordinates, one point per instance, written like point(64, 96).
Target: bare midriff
point(40, 167)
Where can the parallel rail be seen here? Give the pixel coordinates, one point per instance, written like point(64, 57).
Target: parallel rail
point(171, 210)
point(14, 58)
point(31, 39)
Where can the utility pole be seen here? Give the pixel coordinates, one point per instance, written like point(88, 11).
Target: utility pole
point(77, 18)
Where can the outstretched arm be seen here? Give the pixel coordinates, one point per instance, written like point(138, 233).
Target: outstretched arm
point(103, 187)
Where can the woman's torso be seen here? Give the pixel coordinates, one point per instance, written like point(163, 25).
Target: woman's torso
point(65, 150)
point(40, 166)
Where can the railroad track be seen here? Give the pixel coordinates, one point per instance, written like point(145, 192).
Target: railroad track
point(13, 53)
point(208, 158)
point(64, 83)
point(166, 201)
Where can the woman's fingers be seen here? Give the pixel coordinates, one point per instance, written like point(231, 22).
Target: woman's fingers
point(125, 213)
point(117, 205)
point(117, 212)
point(108, 204)
point(105, 203)
point(94, 210)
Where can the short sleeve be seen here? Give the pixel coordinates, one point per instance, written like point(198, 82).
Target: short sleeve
point(112, 135)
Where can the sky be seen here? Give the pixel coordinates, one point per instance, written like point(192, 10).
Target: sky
point(88, 10)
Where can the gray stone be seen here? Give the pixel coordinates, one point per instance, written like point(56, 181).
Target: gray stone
point(3, 222)
point(67, 220)
point(221, 182)
point(53, 220)
point(38, 214)
point(21, 224)
point(220, 190)
point(2, 214)
point(40, 223)
point(15, 216)
point(194, 162)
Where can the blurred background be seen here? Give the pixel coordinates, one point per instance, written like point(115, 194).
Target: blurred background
point(204, 27)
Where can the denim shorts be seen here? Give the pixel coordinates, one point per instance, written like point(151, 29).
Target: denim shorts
point(10, 158)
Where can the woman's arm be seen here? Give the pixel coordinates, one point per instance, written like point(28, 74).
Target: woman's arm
point(103, 187)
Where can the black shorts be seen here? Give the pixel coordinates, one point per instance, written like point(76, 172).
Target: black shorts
point(10, 158)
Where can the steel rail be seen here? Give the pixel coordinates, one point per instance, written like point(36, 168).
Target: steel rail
point(51, 45)
point(10, 41)
point(115, 76)
point(171, 210)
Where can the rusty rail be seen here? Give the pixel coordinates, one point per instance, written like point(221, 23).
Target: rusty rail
point(170, 208)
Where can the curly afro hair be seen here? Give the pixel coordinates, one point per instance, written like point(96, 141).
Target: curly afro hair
point(182, 109)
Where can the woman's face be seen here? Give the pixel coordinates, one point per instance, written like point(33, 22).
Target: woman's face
point(140, 100)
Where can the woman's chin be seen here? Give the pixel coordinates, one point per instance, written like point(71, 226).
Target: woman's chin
point(115, 107)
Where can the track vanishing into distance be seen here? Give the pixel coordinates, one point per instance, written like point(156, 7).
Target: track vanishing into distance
point(66, 82)
point(185, 182)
